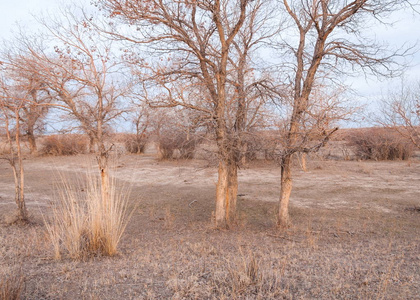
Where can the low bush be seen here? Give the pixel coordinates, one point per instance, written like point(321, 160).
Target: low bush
point(262, 144)
point(135, 144)
point(71, 144)
point(251, 146)
point(380, 144)
point(177, 144)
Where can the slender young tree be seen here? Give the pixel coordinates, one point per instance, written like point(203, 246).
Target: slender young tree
point(327, 37)
point(12, 101)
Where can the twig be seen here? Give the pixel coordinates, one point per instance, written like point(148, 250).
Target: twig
point(189, 205)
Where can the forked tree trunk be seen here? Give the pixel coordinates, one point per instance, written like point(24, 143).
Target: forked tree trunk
point(283, 218)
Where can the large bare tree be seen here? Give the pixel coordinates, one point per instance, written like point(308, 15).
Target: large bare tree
point(200, 59)
point(326, 38)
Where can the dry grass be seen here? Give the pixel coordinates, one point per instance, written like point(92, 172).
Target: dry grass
point(84, 223)
point(11, 285)
point(354, 235)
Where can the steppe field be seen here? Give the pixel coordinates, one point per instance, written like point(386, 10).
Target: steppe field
point(355, 232)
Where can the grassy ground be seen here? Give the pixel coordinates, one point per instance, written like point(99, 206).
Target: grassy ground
point(355, 234)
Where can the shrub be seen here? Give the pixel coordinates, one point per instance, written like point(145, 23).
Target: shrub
point(11, 286)
point(261, 144)
point(251, 146)
point(64, 144)
point(135, 144)
point(84, 223)
point(177, 144)
point(380, 144)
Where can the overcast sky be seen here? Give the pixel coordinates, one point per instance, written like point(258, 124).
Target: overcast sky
point(12, 11)
point(406, 30)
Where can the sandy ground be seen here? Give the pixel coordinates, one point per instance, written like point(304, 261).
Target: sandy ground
point(355, 233)
point(382, 186)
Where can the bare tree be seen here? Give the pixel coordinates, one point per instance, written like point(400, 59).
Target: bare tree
point(203, 50)
point(12, 101)
point(84, 76)
point(178, 132)
point(331, 38)
point(401, 111)
point(35, 107)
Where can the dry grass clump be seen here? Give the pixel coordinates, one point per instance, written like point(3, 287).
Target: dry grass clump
point(11, 285)
point(71, 144)
point(380, 144)
point(210, 274)
point(84, 223)
point(135, 144)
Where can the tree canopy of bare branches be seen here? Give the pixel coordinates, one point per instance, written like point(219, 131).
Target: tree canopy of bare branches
point(36, 100)
point(327, 38)
point(81, 72)
point(401, 111)
point(204, 50)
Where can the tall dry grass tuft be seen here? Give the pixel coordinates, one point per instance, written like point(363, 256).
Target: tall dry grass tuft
point(84, 223)
point(11, 286)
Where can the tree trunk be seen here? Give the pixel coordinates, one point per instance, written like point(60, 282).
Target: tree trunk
point(231, 211)
point(92, 143)
point(32, 142)
point(22, 213)
point(19, 177)
point(222, 195)
point(302, 160)
point(104, 171)
point(283, 219)
point(244, 149)
point(226, 194)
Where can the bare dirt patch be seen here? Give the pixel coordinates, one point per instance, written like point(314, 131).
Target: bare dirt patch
point(355, 234)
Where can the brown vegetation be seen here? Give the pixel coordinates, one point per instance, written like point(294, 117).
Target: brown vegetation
point(69, 144)
point(380, 144)
point(135, 144)
point(11, 285)
point(177, 143)
point(356, 237)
